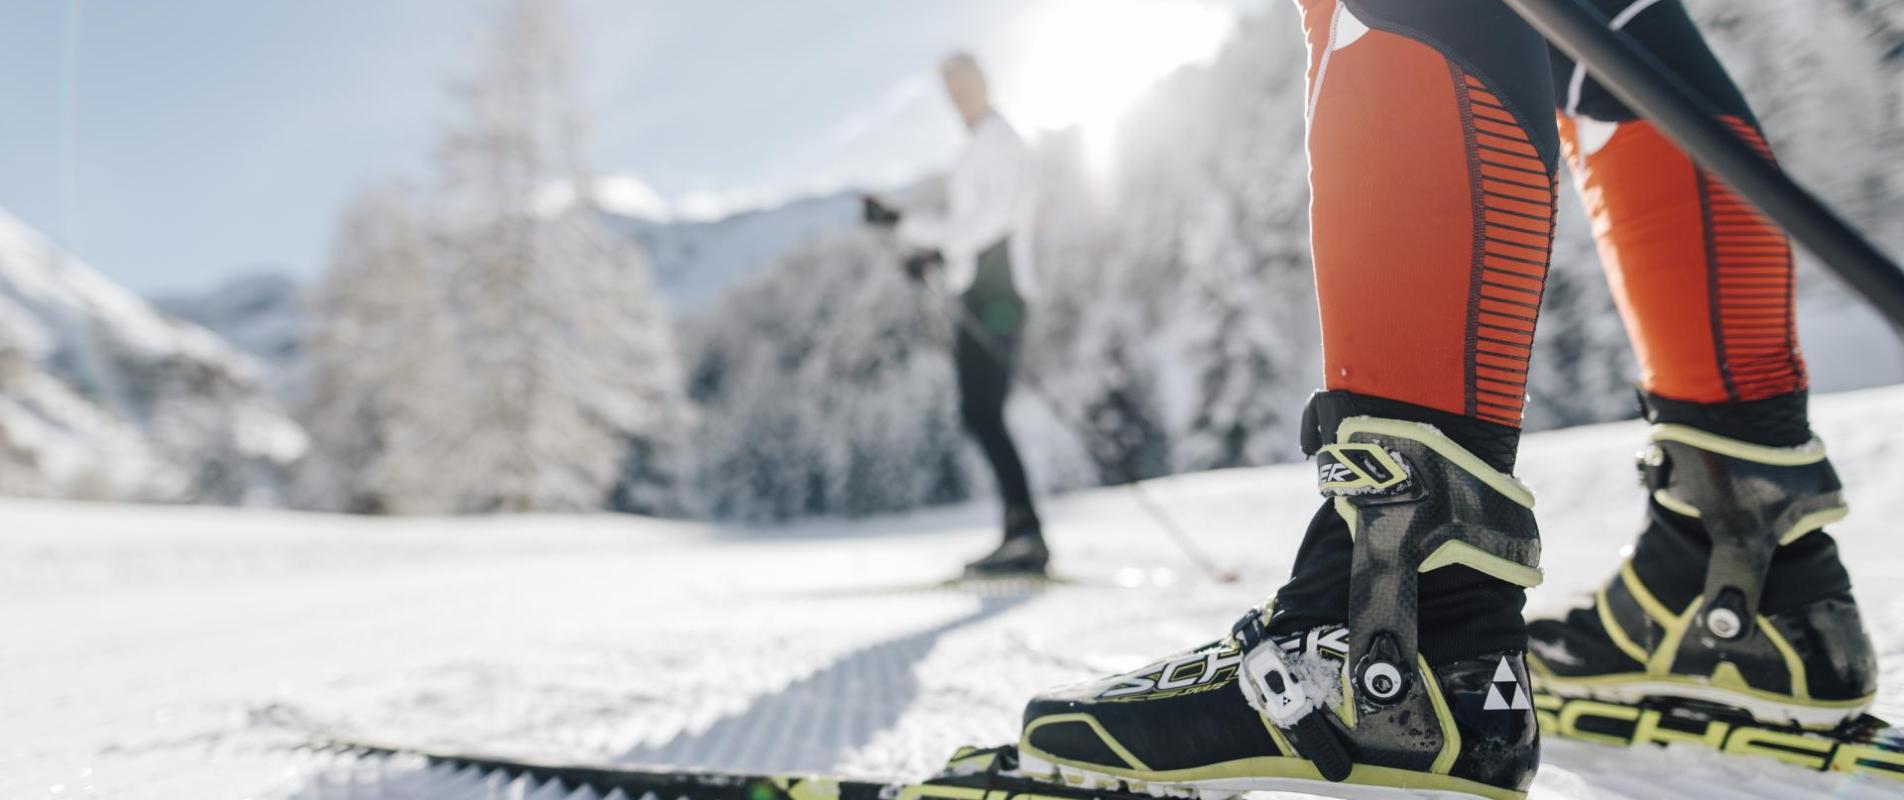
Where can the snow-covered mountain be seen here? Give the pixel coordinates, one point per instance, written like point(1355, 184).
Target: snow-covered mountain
point(695, 261)
point(260, 313)
point(102, 396)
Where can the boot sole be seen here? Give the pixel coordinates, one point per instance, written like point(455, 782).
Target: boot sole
point(1635, 688)
point(1041, 767)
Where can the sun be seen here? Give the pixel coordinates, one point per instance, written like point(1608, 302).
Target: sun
point(1084, 62)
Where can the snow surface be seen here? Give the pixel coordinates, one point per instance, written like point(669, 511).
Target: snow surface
point(139, 645)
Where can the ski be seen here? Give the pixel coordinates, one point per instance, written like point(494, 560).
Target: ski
point(972, 774)
point(1865, 745)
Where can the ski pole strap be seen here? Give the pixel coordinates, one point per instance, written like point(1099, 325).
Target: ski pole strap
point(1277, 692)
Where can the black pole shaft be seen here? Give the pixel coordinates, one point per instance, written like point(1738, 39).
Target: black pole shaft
point(1644, 84)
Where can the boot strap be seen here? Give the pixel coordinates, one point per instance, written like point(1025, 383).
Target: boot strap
point(1278, 693)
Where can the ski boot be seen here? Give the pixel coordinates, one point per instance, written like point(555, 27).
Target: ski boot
point(1022, 554)
point(1733, 602)
point(1355, 710)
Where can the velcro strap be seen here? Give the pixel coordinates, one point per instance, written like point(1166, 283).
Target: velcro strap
point(1359, 468)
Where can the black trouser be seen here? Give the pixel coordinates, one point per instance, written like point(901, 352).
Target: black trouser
point(984, 359)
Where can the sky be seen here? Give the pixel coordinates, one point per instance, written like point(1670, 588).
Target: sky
point(173, 145)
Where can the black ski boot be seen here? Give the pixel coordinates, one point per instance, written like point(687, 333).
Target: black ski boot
point(1021, 554)
point(1733, 596)
point(1376, 707)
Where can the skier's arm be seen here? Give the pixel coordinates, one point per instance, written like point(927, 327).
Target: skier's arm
point(987, 193)
point(926, 230)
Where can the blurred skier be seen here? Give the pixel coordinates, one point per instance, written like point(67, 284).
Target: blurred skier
point(1393, 659)
point(983, 246)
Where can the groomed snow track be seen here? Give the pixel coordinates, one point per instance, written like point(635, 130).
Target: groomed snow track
point(136, 641)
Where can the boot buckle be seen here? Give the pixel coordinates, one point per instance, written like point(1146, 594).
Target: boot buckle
point(1272, 688)
point(1276, 692)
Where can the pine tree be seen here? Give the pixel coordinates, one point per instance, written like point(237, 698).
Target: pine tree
point(486, 345)
point(572, 383)
point(381, 364)
point(825, 387)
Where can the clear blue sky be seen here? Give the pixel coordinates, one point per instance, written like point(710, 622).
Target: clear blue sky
point(172, 144)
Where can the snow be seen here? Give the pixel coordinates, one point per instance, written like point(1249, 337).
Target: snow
point(139, 646)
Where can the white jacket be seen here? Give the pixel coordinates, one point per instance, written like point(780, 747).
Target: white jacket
point(991, 194)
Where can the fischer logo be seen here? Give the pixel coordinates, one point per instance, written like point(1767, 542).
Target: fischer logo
point(1189, 673)
point(1496, 701)
point(1334, 639)
point(1336, 472)
point(1610, 723)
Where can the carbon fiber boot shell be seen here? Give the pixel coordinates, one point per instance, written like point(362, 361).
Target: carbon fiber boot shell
point(1676, 622)
point(1334, 708)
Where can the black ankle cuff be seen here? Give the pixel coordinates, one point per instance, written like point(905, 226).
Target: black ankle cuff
point(1318, 589)
point(1779, 421)
point(1460, 613)
point(1494, 443)
point(1673, 551)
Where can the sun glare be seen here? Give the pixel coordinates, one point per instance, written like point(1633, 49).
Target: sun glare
point(1086, 61)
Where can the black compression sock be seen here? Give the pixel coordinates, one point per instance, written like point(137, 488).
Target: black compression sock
point(1492, 442)
point(1781, 421)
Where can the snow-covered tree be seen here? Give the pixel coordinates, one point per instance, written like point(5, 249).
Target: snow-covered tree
point(381, 364)
point(572, 392)
point(484, 344)
point(826, 388)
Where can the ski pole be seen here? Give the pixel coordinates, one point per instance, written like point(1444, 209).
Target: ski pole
point(1146, 502)
point(1644, 84)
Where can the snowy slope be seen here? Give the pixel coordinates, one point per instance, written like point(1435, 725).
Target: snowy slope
point(102, 396)
point(136, 643)
point(260, 313)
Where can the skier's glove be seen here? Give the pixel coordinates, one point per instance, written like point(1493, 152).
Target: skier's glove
point(878, 214)
point(922, 262)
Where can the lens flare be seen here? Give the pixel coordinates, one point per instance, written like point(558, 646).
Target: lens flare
point(1087, 61)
